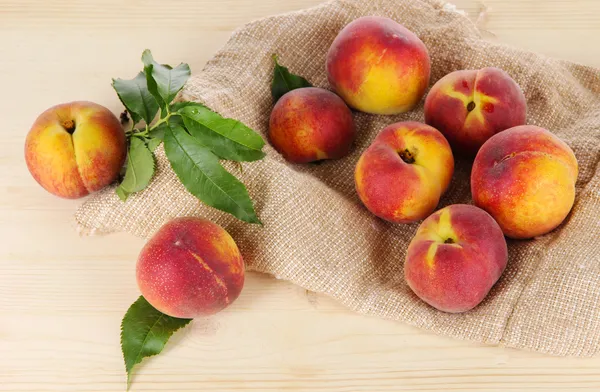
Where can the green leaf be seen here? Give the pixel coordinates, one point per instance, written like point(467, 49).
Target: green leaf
point(144, 333)
point(159, 131)
point(137, 99)
point(226, 137)
point(153, 88)
point(284, 81)
point(180, 105)
point(123, 195)
point(152, 143)
point(203, 176)
point(168, 81)
point(140, 169)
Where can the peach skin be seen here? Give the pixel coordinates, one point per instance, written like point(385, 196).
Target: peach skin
point(402, 175)
point(378, 66)
point(454, 259)
point(191, 267)
point(311, 124)
point(525, 178)
point(75, 148)
point(471, 106)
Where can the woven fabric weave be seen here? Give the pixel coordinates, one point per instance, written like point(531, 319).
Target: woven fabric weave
point(317, 234)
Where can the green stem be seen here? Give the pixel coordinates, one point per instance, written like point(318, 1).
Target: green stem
point(162, 120)
point(146, 131)
point(131, 129)
point(141, 133)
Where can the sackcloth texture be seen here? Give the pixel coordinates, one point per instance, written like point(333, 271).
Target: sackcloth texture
point(316, 232)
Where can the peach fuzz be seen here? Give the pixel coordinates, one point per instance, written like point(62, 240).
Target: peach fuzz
point(378, 66)
point(191, 267)
point(311, 124)
point(525, 178)
point(75, 148)
point(454, 259)
point(402, 175)
point(471, 106)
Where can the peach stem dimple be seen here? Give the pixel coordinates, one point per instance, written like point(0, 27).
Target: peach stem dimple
point(407, 156)
point(470, 106)
point(449, 241)
point(69, 126)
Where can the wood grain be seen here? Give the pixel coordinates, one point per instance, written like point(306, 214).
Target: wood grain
point(62, 296)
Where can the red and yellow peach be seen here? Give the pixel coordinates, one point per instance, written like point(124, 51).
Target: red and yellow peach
point(75, 148)
point(191, 267)
point(311, 124)
point(378, 66)
point(471, 106)
point(525, 178)
point(454, 259)
point(402, 175)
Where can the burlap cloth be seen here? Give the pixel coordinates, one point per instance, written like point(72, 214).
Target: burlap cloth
point(316, 232)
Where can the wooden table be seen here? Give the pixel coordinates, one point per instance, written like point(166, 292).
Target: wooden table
point(62, 296)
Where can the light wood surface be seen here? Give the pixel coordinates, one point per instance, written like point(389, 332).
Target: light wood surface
point(62, 296)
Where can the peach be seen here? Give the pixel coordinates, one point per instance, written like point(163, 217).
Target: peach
point(525, 178)
point(454, 259)
point(471, 106)
point(311, 124)
point(75, 148)
point(378, 66)
point(191, 267)
point(404, 172)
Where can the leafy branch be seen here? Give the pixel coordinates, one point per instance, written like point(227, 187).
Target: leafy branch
point(195, 139)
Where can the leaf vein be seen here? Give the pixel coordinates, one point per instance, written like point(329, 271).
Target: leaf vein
point(210, 179)
point(138, 359)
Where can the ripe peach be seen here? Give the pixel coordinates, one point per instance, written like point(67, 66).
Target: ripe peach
point(75, 148)
point(403, 173)
point(378, 66)
point(470, 106)
point(525, 178)
point(455, 258)
point(191, 267)
point(310, 124)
